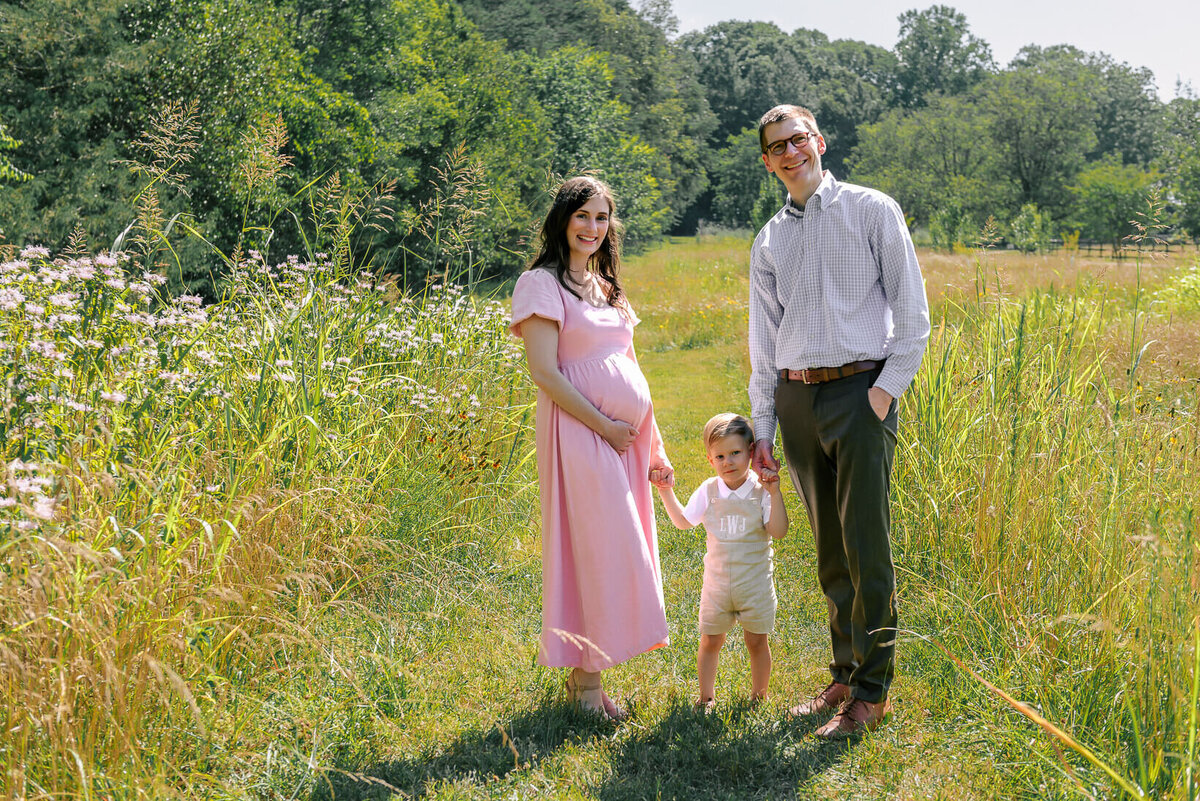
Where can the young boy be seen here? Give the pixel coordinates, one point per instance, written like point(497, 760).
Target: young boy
point(741, 514)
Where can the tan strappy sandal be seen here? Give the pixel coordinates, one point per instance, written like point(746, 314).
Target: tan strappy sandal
point(588, 697)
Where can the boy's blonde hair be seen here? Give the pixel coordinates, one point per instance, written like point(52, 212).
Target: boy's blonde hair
point(728, 424)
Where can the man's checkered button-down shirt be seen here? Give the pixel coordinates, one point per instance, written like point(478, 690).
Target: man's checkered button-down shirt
point(833, 283)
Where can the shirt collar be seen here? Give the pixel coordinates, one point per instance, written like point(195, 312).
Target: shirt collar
point(819, 199)
point(723, 490)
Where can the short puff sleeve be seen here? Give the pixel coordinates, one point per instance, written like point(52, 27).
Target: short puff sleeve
point(536, 294)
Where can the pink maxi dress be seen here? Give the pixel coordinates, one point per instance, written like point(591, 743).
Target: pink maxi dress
point(602, 597)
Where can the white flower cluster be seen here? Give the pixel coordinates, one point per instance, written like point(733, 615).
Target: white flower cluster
point(95, 344)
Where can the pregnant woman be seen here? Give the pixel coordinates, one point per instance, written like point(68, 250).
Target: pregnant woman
point(598, 448)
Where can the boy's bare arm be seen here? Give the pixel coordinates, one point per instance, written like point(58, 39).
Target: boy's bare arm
point(777, 526)
point(674, 510)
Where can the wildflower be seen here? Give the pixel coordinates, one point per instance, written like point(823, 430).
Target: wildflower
point(5, 501)
point(106, 260)
point(114, 397)
point(115, 283)
point(63, 299)
point(283, 362)
point(141, 318)
point(17, 466)
point(35, 252)
point(28, 486)
point(190, 300)
point(43, 508)
point(10, 299)
point(154, 279)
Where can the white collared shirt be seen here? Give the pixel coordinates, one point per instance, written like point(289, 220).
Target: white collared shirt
point(833, 283)
point(697, 505)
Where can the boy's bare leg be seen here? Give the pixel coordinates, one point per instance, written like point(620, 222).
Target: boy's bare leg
point(706, 664)
point(760, 664)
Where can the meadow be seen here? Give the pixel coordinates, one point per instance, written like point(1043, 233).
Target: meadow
point(286, 546)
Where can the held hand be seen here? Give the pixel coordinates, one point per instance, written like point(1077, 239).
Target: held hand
point(881, 401)
point(662, 476)
point(620, 435)
point(768, 477)
point(763, 459)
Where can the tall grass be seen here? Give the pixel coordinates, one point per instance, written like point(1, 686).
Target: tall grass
point(1049, 521)
point(192, 494)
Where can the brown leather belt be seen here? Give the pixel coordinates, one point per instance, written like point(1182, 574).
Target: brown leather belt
point(819, 375)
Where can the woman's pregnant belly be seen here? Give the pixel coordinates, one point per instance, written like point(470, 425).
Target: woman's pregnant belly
point(614, 385)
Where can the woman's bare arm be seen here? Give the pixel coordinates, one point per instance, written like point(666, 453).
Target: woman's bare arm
point(541, 354)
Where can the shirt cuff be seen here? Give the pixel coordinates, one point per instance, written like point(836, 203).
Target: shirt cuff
point(764, 428)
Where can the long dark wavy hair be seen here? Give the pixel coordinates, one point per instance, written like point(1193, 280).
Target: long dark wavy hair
point(555, 254)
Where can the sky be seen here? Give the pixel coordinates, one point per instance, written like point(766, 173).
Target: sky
point(1163, 35)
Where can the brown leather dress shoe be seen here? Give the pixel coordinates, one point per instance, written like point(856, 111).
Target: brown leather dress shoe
point(855, 717)
point(827, 700)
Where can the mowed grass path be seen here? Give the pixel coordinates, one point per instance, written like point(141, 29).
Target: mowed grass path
point(480, 720)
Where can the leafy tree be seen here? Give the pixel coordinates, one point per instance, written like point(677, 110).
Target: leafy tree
point(1109, 195)
point(653, 78)
point(934, 158)
point(586, 123)
point(1042, 124)
point(445, 86)
point(937, 53)
point(852, 84)
point(1030, 230)
point(951, 227)
point(72, 90)
point(738, 176)
point(8, 172)
point(1129, 115)
point(1181, 159)
point(745, 68)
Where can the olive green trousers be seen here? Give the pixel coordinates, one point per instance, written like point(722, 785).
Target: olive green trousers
point(839, 455)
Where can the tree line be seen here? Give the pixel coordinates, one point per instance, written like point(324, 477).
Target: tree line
point(424, 134)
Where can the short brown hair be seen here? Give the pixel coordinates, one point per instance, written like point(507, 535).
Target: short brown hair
point(728, 424)
point(781, 113)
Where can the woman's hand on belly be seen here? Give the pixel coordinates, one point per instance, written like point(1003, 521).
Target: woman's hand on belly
point(619, 434)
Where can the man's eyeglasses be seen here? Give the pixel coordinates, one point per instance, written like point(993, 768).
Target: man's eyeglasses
point(798, 140)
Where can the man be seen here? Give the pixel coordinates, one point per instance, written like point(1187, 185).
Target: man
point(838, 325)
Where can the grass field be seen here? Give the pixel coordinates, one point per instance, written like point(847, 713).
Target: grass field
point(305, 565)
